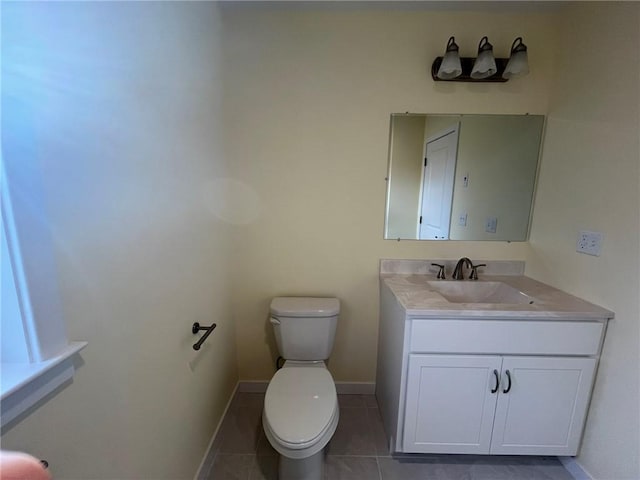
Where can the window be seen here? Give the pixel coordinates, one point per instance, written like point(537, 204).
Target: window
point(36, 357)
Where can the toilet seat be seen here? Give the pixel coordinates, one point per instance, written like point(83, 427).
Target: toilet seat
point(300, 409)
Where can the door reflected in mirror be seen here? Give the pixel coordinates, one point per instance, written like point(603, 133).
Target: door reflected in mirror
point(461, 177)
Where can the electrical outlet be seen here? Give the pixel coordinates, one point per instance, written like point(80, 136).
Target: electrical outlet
point(589, 243)
point(462, 220)
point(491, 225)
point(465, 180)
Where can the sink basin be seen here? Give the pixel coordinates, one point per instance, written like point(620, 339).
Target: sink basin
point(460, 291)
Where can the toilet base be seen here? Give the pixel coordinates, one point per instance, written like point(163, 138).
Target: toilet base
point(310, 468)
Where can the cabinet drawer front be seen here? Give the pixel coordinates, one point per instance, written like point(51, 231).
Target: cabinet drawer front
point(520, 337)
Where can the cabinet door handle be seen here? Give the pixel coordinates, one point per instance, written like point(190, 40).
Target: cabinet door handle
point(506, 390)
point(495, 372)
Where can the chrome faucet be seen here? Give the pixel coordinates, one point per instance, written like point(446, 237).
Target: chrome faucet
point(458, 273)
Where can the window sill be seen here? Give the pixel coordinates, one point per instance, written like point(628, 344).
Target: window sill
point(24, 384)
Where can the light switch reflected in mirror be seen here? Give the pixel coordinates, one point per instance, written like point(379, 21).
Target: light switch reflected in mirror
point(477, 182)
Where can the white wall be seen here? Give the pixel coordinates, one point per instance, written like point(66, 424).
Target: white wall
point(116, 107)
point(500, 156)
point(589, 180)
point(307, 101)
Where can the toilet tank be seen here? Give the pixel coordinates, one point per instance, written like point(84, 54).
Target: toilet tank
point(304, 327)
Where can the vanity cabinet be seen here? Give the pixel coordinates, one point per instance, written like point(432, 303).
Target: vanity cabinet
point(496, 405)
point(491, 382)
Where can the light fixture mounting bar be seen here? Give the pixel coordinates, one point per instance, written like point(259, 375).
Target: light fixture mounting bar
point(467, 67)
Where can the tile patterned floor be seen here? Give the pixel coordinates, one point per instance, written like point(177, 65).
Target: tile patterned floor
point(357, 451)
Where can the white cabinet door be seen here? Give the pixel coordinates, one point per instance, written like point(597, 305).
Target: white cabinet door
point(543, 412)
point(450, 404)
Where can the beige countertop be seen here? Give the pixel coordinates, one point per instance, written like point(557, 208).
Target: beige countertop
point(419, 297)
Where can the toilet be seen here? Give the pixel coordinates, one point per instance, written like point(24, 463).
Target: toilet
point(301, 406)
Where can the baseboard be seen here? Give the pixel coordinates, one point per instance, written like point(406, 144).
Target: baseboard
point(253, 386)
point(574, 468)
point(204, 462)
point(343, 388)
point(356, 388)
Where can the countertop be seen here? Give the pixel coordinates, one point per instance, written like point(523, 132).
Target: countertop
point(418, 298)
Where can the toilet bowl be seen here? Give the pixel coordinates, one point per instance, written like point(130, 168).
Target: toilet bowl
point(300, 417)
point(301, 406)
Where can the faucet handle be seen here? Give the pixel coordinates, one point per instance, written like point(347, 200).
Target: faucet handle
point(440, 272)
point(474, 270)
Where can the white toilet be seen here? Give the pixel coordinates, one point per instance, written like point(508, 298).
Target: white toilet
point(301, 406)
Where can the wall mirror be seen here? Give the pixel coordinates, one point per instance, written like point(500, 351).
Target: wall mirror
point(461, 177)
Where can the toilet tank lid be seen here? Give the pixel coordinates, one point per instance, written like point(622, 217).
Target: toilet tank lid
point(305, 306)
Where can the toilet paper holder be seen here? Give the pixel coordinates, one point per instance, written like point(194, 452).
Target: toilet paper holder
point(195, 328)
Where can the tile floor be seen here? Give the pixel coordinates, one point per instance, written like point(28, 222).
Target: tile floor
point(357, 451)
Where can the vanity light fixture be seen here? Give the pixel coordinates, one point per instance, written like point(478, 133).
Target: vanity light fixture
point(518, 63)
point(450, 67)
point(485, 64)
point(484, 68)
